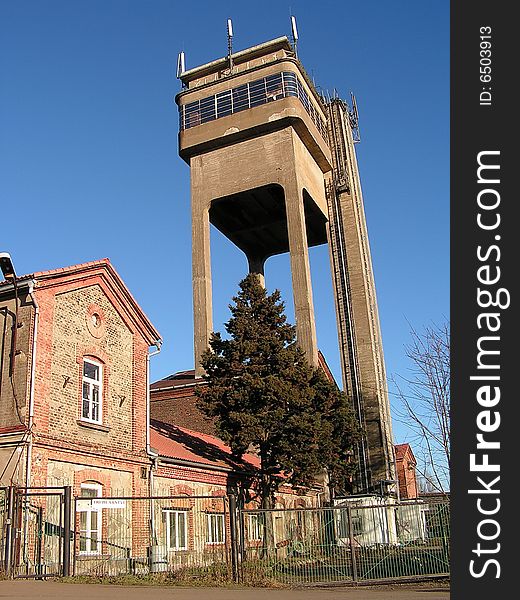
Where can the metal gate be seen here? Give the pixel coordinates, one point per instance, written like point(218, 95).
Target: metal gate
point(36, 532)
point(345, 543)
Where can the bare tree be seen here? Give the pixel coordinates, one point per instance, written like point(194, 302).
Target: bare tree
point(424, 404)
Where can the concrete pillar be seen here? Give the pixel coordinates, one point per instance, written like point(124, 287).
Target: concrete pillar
point(300, 270)
point(256, 267)
point(201, 265)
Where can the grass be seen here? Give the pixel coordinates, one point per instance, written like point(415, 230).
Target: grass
point(211, 576)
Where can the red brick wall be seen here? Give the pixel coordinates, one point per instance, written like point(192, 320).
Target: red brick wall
point(178, 407)
point(407, 478)
point(65, 337)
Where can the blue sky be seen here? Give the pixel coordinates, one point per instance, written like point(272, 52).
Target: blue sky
point(89, 165)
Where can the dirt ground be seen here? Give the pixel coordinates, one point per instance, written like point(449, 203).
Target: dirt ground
point(52, 590)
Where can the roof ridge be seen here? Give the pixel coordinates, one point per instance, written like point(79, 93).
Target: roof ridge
point(59, 270)
point(90, 263)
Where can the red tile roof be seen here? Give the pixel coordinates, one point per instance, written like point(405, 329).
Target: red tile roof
point(60, 271)
point(180, 378)
point(177, 442)
point(401, 450)
point(326, 369)
point(118, 287)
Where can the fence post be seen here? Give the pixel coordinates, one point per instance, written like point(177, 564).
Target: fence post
point(233, 530)
point(352, 549)
point(9, 528)
point(67, 496)
point(39, 543)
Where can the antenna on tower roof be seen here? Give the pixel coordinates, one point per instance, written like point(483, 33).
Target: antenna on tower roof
point(230, 43)
point(294, 35)
point(181, 68)
point(354, 119)
point(181, 65)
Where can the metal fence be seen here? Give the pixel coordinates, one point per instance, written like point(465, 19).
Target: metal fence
point(136, 535)
point(34, 522)
point(3, 517)
point(46, 533)
point(349, 542)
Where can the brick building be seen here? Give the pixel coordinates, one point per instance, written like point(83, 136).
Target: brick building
point(75, 411)
point(173, 400)
point(183, 436)
point(74, 383)
point(73, 407)
point(406, 464)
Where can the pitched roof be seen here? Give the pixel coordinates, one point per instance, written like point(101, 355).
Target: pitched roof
point(180, 407)
point(113, 280)
point(401, 450)
point(184, 444)
point(60, 271)
point(185, 378)
point(326, 369)
point(181, 378)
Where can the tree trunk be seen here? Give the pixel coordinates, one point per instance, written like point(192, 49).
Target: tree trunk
point(268, 545)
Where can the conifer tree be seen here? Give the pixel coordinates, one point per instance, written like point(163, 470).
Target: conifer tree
point(266, 398)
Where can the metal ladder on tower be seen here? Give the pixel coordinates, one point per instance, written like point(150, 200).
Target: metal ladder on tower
point(337, 123)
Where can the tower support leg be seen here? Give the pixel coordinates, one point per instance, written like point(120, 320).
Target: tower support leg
point(201, 265)
point(256, 267)
point(301, 272)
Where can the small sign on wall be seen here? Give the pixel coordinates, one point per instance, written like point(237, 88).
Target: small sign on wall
point(97, 503)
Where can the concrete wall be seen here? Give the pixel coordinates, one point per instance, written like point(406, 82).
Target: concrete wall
point(281, 158)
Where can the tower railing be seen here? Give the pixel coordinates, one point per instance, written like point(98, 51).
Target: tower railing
point(249, 95)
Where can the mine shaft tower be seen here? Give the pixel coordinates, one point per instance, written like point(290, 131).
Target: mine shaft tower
point(273, 167)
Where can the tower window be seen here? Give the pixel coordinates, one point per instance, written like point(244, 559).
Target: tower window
point(255, 93)
point(274, 87)
point(224, 107)
point(207, 109)
point(240, 98)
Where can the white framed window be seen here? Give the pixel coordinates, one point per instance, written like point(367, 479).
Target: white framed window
point(216, 531)
point(91, 403)
point(254, 529)
point(176, 529)
point(90, 521)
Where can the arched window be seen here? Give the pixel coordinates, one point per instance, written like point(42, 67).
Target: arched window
point(89, 519)
point(92, 391)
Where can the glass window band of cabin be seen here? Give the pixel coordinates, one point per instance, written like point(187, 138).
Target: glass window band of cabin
point(255, 93)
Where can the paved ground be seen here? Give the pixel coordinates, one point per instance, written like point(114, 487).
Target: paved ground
point(50, 590)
